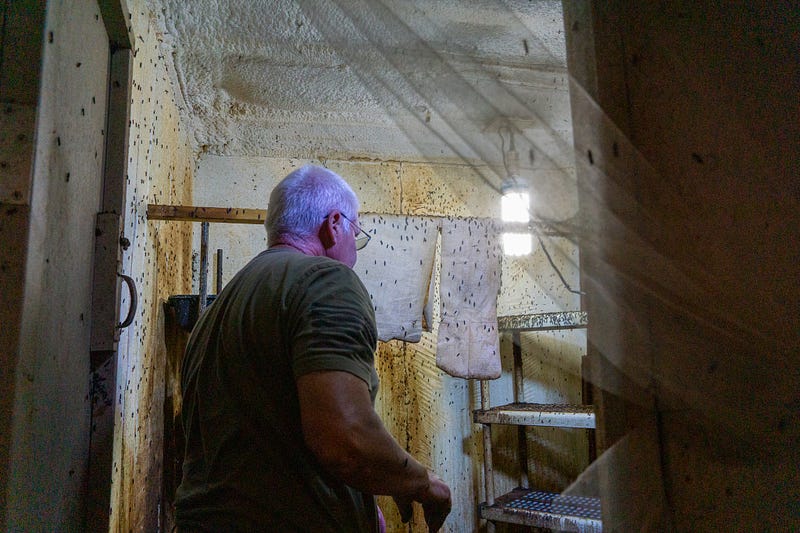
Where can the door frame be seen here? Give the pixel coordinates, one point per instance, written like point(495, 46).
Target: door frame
point(106, 288)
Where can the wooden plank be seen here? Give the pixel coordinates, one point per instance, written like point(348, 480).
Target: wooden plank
point(14, 227)
point(21, 55)
point(233, 215)
point(17, 132)
point(105, 291)
point(117, 132)
point(111, 221)
point(240, 215)
point(116, 19)
point(109, 227)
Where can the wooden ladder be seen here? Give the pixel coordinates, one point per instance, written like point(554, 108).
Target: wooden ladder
point(523, 505)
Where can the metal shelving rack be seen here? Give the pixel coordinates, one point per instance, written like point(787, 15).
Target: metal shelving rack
point(523, 505)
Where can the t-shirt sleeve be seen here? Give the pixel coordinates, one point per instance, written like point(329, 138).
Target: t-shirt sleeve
point(333, 324)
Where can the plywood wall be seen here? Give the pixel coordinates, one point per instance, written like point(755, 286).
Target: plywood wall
point(19, 86)
point(159, 170)
point(689, 167)
point(428, 411)
point(54, 195)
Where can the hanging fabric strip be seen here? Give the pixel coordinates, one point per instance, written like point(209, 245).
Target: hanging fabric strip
point(468, 342)
point(396, 270)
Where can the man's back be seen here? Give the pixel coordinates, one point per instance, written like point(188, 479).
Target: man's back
point(247, 466)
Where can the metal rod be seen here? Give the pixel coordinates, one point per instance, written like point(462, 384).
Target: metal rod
point(519, 397)
point(488, 469)
point(587, 398)
point(219, 270)
point(203, 268)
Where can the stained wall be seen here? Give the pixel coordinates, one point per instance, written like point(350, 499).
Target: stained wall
point(160, 168)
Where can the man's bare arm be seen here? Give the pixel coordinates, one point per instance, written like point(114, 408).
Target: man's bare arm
point(346, 435)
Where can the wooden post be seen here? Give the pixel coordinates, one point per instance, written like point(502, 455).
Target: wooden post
point(219, 270)
point(203, 285)
point(488, 469)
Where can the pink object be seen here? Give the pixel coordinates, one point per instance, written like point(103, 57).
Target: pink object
point(381, 521)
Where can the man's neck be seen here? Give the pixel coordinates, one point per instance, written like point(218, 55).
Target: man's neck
point(307, 248)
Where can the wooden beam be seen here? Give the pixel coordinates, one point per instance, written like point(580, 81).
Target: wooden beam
point(233, 215)
point(240, 215)
point(116, 18)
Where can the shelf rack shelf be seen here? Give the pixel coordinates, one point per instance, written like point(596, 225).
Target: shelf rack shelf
point(546, 510)
point(524, 505)
point(537, 414)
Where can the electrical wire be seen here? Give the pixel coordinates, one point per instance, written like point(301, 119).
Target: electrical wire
point(552, 264)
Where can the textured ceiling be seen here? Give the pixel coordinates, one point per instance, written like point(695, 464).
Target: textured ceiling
point(411, 79)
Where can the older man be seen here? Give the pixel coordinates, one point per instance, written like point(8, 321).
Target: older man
point(279, 384)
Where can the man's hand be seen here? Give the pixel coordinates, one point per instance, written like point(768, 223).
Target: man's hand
point(435, 500)
point(436, 503)
point(404, 505)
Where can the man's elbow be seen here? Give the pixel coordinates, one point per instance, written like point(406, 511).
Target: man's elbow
point(339, 455)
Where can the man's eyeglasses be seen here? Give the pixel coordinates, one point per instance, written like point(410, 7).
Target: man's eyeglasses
point(362, 237)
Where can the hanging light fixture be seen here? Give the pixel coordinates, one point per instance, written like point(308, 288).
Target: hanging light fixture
point(515, 201)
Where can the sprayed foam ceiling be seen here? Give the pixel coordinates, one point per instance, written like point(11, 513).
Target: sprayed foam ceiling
point(410, 79)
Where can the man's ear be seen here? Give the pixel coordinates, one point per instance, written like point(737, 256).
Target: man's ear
point(329, 230)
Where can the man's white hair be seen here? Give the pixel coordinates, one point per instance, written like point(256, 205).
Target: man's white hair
point(302, 200)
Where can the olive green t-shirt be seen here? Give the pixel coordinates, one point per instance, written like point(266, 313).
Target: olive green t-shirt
point(247, 467)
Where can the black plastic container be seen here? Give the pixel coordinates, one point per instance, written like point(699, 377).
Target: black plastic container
point(185, 306)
